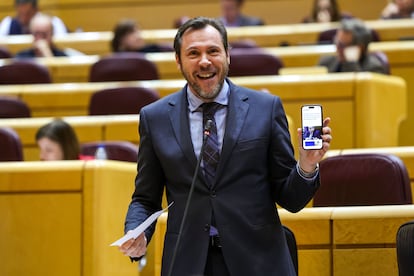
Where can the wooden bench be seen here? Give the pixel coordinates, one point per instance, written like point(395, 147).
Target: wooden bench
point(87, 128)
point(98, 43)
point(355, 101)
point(83, 14)
point(336, 241)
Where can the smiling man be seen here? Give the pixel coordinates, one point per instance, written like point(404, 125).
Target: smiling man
point(231, 224)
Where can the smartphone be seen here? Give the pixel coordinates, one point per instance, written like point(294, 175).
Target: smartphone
point(312, 123)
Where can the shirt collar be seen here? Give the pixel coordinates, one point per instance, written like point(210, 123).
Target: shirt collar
point(222, 98)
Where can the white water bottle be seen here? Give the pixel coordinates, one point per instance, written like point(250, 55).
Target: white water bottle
point(100, 153)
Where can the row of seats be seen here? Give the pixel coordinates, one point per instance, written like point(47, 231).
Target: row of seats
point(135, 66)
point(11, 148)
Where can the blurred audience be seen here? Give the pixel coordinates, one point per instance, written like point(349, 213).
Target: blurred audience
point(57, 140)
point(180, 21)
point(25, 11)
point(231, 14)
point(41, 29)
point(352, 40)
point(127, 38)
point(325, 11)
point(398, 9)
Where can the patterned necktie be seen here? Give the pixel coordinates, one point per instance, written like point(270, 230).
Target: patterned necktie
point(211, 153)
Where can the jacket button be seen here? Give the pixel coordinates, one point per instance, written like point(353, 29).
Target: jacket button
point(207, 227)
point(213, 193)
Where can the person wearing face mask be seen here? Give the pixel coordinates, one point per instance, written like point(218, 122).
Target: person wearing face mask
point(41, 28)
point(25, 11)
point(57, 140)
point(352, 40)
point(247, 166)
point(398, 9)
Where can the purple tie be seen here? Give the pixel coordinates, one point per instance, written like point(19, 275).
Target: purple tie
point(211, 153)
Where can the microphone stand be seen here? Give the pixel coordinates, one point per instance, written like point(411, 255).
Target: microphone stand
point(206, 134)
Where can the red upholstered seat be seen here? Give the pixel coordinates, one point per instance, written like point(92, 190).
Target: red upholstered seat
point(10, 145)
point(363, 179)
point(121, 100)
point(24, 72)
point(115, 150)
point(405, 249)
point(253, 62)
point(127, 66)
point(13, 108)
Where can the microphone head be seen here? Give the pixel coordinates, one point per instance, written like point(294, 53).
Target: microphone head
point(209, 125)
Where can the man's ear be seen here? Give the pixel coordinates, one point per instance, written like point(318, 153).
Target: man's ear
point(178, 62)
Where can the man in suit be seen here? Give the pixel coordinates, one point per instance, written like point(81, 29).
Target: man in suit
point(25, 11)
point(232, 224)
point(352, 40)
point(232, 16)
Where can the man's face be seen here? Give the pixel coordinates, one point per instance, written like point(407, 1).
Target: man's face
point(204, 62)
point(343, 39)
point(42, 30)
point(25, 12)
point(230, 10)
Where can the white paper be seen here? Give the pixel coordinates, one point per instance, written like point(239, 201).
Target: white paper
point(140, 228)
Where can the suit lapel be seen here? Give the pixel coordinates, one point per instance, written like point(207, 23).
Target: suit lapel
point(236, 114)
point(180, 125)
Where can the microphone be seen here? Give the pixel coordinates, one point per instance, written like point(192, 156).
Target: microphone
point(206, 135)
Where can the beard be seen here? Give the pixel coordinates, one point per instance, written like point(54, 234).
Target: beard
point(212, 91)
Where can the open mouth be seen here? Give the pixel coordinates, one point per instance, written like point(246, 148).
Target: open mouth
point(206, 76)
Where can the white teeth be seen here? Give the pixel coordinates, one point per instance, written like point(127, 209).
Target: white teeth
point(205, 75)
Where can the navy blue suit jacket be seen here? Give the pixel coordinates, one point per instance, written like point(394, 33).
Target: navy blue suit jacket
point(256, 170)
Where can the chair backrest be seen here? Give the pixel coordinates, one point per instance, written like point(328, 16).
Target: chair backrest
point(127, 66)
point(13, 108)
point(24, 72)
point(5, 53)
point(253, 62)
point(291, 242)
point(405, 249)
point(121, 100)
point(328, 36)
point(115, 150)
point(362, 180)
point(10, 145)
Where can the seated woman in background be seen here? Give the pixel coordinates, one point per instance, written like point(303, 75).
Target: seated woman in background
point(57, 140)
point(398, 9)
point(325, 11)
point(127, 38)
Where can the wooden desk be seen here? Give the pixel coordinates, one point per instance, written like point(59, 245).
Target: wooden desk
point(73, 209)
point(98, 43)
point(336, 241)
point(355, 101)
point(87, 128)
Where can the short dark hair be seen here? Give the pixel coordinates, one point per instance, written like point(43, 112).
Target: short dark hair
point(199, 23)
point(361, 35)
point(123, 28)
point(21, 2)
point(62, 133)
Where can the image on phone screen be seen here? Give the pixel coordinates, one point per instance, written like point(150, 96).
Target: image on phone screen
point(312, 126)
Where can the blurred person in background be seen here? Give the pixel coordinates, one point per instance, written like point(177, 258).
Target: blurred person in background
point(41, 29)
point(127, 38)
point(231, 14)
point(57, 140)
point(398, 9)
point(325, 11)
point(352, 40)
point(25, 11)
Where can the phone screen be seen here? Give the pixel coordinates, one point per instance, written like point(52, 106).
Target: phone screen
point(312, 126)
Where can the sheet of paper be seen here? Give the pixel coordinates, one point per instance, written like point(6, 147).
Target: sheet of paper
point(140, 228)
